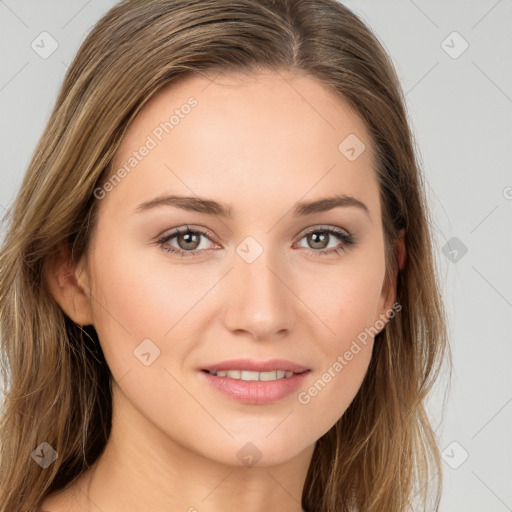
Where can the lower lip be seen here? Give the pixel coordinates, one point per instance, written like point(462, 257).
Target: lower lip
point(256, 392)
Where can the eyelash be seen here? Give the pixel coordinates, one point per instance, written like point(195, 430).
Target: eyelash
point(344, 236)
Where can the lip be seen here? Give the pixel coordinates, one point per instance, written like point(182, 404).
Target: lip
point(255, 392)
point(257, 366)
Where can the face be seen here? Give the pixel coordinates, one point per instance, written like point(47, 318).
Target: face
point(275, 257)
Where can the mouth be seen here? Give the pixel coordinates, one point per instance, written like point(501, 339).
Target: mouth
point(252, 375)
point(255, 382)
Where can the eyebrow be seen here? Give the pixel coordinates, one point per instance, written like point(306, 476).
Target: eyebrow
point(211, 207)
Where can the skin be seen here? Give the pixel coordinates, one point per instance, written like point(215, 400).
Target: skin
point(259, 144)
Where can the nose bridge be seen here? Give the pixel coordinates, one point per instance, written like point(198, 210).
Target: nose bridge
point(261, 303)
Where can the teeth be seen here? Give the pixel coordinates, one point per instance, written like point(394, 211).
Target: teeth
point(250, 375)
point(268, 376)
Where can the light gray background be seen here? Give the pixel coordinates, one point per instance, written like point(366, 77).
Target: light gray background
point(460, 109)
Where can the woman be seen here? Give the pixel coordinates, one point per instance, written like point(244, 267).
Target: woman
point(217, 287)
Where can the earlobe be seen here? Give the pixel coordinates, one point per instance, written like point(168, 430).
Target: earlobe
point(62, 276)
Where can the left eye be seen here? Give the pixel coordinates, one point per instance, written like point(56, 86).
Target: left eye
point(318, 239)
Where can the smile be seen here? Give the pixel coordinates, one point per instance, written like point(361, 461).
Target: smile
point(252, 375)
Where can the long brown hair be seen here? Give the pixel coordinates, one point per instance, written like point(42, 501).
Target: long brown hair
point(57, 384)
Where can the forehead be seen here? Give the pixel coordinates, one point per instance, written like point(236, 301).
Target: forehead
point(243, 136)
point(269, 99)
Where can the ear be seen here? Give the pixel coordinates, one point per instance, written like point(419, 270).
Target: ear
point(68, 283)
point(388, 297)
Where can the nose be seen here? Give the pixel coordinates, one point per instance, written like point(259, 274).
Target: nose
point(261, 301)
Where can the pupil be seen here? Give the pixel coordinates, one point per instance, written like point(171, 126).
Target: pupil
point(318, 238)
point(189, 238)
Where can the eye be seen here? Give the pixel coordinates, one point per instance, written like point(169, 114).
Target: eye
point(320, 240)
point(187, 241)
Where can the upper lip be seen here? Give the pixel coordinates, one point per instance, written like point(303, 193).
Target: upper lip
point(257, 366)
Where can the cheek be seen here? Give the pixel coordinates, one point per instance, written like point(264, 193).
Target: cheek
point(347, 299)
point(133, 302)
point(347, 304)
point(330, 393)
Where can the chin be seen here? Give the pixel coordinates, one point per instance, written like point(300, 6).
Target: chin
point(259, 451)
